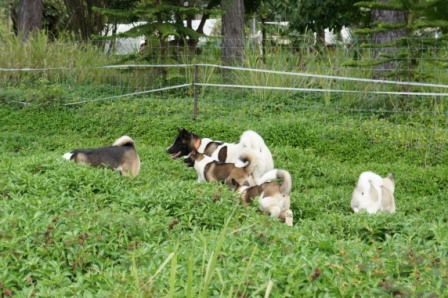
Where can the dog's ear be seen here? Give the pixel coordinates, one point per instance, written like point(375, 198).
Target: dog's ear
point(183, 132)
point(232, 184)
point(391, 177)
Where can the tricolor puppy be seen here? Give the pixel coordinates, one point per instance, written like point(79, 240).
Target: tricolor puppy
point(209, 169)
point(274, 197)
point(121, 156)
point(374, 193)
point(185, 142)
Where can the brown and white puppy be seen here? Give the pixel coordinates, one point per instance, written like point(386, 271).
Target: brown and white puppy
point(374, 193)
point(209, 169)
point(121, 156)
point(274, 197)
point(185, 142)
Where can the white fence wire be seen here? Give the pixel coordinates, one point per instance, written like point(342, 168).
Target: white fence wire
point(203, 91)
point(253, 70)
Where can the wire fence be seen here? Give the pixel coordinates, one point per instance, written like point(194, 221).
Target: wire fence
point(410, 113)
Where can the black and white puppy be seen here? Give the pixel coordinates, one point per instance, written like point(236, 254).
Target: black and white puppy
point(185, 142)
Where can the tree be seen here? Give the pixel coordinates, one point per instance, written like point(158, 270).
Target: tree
point(316, 15)
point(162, 19)
point(30, 17)
point(382, 37)
point(232, 31)
point(395, 34)
point(85, 21)
point(55, 18)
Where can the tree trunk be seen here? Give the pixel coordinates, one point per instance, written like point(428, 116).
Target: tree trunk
point(84, 21)
point(30, 17)
point(232, 31)
point(386, 16)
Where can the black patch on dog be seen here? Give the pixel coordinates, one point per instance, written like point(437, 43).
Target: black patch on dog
point(189, 162)
point(211, 147)
point(109, 157)
point(222, 154)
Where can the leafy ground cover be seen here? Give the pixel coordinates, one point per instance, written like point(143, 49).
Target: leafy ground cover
point(71, 230)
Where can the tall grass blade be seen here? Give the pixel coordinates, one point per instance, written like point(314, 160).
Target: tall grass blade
point(173, 276)
point(269, 289)
point(189, 289)
point(213, 257)
point(151, 279)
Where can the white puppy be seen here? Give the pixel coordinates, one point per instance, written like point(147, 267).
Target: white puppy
point(252, 142)
point(374, 193)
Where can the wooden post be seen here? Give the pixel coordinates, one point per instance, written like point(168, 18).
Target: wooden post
point(195, 92)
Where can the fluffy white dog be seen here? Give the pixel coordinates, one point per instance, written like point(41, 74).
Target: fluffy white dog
point(374, 193)
point(252, 142)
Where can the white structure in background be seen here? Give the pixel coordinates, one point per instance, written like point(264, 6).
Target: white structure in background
point(125, 45)
point(429, 32)
point(331, 38)
point(257, 39)
point(346, 36)
point(132, 45)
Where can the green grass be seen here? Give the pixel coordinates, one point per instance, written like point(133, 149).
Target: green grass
point(72, 230)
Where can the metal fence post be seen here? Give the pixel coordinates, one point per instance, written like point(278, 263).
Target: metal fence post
point(195, 92)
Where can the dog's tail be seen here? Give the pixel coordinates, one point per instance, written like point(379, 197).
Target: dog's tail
point(249, 159)
point(286, 187)
point(124, 141)
point(253, 141)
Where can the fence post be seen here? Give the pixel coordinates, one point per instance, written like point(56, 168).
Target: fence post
point(195, 92)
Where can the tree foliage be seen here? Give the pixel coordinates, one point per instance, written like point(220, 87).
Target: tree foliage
point(401, 51)
point(161, 18)
point(316, 15)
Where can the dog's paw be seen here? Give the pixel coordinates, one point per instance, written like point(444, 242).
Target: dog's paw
point(288, 218)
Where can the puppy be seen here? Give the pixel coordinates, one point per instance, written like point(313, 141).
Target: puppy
point(185, 142)
point(374, 193)
point(209, 169)
point(274, 197)
point(121, 156)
